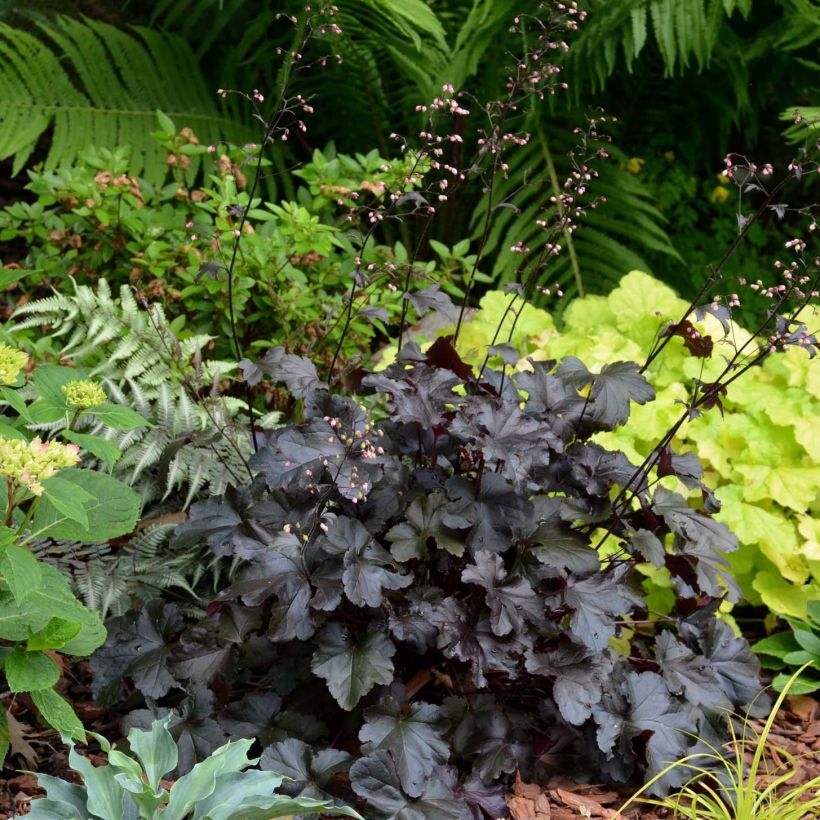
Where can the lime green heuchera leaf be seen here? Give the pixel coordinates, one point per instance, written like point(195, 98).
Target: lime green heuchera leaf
point(772, 532)
point(809, 528)
point(785, 598)
point(792, 487)
point(760, 456)
point(641, 306)
point(478, 333)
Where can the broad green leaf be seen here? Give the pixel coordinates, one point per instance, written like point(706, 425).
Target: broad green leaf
point(102, 448)
point(58, 713)
point(8, 432)
point(118, 417)
point(778, 645)
point(113, 511)
point(55, 635)
point(16, 401)
point(68, 498)
point(809, 641)
point(29, 671)
point(20, 570)
point(806, 684)
point(59, 791)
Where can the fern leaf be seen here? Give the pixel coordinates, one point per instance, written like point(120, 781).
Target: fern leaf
point(97, 85)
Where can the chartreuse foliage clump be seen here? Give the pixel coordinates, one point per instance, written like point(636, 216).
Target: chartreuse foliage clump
point(420, 608)
point(221, 787)
point(45, 492)
point(760, 455)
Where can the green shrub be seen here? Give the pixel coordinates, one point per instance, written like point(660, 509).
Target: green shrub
point(761, 456)
point(174, 242)
point(45, 493)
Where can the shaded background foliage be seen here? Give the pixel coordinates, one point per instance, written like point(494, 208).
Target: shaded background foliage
point(688, 79)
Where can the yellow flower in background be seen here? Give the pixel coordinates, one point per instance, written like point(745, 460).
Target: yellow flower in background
point(12, 361)
point(720, 194)
point(634, 165)
point(28, 463)
point(669, 156)
point(83, 394)
point(723, 179)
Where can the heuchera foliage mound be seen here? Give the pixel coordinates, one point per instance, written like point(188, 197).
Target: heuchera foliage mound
point(760, 456)
point(422, 609)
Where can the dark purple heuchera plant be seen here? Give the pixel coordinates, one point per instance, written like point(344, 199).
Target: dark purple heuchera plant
point(424, 604)
point(420, 597)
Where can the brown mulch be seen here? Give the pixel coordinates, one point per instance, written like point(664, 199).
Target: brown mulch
point(795, 734)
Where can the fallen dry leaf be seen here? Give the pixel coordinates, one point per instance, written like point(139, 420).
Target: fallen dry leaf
point(582, 802)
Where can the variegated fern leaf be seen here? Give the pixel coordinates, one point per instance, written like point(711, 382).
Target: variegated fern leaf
point(195, 445)
point(111, 578)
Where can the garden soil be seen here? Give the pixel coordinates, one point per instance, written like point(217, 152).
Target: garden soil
point(795, 735)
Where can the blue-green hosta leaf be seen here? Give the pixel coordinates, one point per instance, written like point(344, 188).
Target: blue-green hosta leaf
point(511, 599)
point(413, 735)
point(375, 779)
point(201, 782)
point(156, 751)
point(72, 796)
point(352, 666)
point(106, 797)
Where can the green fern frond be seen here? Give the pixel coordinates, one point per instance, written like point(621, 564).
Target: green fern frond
point(94, 84)
point(684, 31)
point(609, 240)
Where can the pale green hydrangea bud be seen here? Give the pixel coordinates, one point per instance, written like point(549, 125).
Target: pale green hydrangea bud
point(83, 394)
point(29, 463)
point(12, 361)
